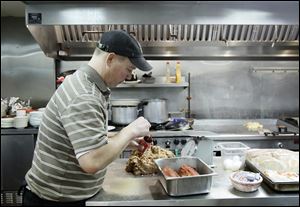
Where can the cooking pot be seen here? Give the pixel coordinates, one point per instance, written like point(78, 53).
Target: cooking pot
point(124, 111)
point(155, 110)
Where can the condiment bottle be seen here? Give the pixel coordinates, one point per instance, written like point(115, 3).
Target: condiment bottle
point(168, 72)
point(178, 72)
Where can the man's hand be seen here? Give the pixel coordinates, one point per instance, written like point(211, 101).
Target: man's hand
point(138, 128)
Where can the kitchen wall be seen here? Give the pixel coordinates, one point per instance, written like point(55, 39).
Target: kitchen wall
point(225, 89)
point(219, 89)
point(25, 71)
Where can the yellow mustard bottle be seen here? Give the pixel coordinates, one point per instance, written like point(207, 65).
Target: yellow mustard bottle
point(178, 72)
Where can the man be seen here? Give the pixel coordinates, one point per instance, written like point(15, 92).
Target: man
point(73, 150)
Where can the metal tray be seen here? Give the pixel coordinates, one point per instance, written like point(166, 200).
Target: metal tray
point(279, 186)
point(181, 186)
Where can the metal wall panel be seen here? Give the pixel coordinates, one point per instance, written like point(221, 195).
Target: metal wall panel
point(25, 70)
point(224, 89)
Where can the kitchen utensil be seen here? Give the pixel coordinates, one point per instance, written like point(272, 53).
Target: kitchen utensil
point(187, 185)
point(233, 155)
point(21, 122)
point(276, 185)
point(246, 181)
point(146, 143)
point(155, 110)
point(124, 111)
point(109, 128)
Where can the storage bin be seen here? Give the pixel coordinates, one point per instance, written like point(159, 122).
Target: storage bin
point(233, 155)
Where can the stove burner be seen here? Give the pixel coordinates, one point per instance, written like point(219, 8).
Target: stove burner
point(157, 126)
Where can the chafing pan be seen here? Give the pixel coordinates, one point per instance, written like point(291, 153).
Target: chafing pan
point(180, 186)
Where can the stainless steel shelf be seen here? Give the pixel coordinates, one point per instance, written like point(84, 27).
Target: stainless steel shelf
point(154, 85)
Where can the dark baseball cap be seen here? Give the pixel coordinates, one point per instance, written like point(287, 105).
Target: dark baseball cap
point(122, 43)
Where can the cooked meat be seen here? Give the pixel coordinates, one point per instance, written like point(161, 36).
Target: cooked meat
point(144, 164)
point(253, 126)
point(169, 172)
point(186, 170)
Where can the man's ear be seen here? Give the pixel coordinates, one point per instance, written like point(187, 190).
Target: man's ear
point(110, 58)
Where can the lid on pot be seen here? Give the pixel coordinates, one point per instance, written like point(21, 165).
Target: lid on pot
point(125, 102)
point(155, 99)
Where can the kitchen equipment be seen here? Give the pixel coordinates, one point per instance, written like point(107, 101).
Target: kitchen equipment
point(155, 110)
point(276, 185)
point(3, 108)
point(124, 111)
point(21, 112)
point(148, 78)
point(187, 185)
point(35, 118)
point(206, 33)
point(246, 181)
point(233, 155)
point(109, 128)
point(200, 147)
point(278, 167)
point(7, 122)
point(146, 143)
point(177, 124)
point(21, 122)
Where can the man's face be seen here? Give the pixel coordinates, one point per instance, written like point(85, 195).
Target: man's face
point(120, 68)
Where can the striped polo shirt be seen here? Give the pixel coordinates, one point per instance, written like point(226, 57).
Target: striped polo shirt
point(74, 122)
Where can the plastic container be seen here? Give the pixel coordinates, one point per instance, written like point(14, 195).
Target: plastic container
point(233, 155)
point(178, 72)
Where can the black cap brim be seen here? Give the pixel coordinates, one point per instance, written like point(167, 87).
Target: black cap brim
point(141, 63)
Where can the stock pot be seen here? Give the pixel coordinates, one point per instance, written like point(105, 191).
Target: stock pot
point(124, 111)
point(155, 110)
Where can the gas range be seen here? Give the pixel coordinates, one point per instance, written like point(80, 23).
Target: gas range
point(212, 132)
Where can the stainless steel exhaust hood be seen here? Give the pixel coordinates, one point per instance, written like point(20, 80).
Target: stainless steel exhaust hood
point(188, 30)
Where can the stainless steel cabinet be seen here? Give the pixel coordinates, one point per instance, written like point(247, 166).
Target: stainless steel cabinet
point(16, 157)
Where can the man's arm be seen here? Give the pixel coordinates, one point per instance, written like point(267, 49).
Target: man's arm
point(99, 158)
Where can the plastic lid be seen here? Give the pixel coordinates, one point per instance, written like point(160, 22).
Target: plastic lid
point(233, 146)
point(189, 148)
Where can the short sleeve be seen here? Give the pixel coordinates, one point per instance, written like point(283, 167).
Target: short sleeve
point(84, 120)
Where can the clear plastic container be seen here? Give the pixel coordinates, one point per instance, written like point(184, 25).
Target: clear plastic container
point(233, 155)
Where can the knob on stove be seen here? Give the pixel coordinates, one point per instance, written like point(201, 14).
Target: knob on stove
point(168, 143)
point(183, 141)
point(280, 145)
point(176, 141)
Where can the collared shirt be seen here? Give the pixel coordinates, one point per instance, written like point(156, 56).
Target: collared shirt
point(74, 122)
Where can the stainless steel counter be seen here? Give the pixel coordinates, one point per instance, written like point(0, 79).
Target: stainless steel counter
point(122, 188)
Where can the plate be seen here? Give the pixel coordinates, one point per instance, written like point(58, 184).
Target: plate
point(111, 128)
point(132, 82)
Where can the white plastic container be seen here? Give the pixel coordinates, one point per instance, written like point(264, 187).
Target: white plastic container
point(21, 112)
point(233, 155)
